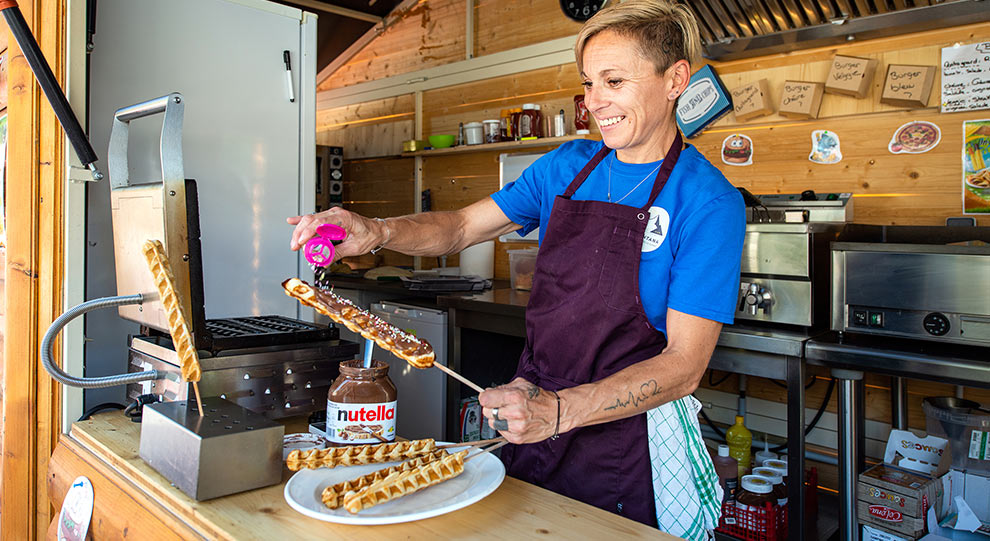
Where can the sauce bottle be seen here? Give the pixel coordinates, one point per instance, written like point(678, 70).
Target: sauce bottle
point(754, 494)
point(765, 454)
point(779, 488)
point(581, 116)
point(740, 440)
point(727, 470)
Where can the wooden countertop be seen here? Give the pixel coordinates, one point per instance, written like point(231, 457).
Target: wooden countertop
point(516, 510)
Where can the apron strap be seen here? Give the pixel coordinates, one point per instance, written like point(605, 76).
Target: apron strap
point(669, 161)
point(588, 167)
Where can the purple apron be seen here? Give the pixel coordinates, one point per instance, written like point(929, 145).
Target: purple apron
point(584, 322)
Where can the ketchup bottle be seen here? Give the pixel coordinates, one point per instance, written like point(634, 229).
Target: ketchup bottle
point(580, 116)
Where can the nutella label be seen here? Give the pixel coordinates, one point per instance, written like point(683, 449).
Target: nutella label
point(360, 423)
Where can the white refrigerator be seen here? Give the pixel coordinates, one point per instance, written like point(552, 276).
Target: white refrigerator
point(248, 141)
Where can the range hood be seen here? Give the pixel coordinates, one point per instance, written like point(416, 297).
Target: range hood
point(732, 29)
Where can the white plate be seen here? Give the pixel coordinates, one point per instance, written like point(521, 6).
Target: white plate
point(481, 476)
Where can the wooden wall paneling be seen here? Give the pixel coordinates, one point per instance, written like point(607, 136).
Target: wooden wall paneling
point(499, 25)
point(369, 140)
point(33, 277)
point(118, 512)
point(380, 188)
point(902, 189)
point(370, 112)
point(431, 34)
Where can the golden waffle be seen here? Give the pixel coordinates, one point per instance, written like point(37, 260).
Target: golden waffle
point(399, 484)
point(333, 495)
point(359, 454)
point(415, 351)
point(178, 326)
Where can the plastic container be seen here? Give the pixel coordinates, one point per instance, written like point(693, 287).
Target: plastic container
point(756, 497)
point(740, 441)
point(490, 128)
point(779, 488)
point(474, 133)
point(522, 267)
point(530, 122)
point(764, 455)
point(966, 424)
point(727, 470)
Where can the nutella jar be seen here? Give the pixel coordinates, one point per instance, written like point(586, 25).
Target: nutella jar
point(751, 502)
point(779, 488)
point(361, 404)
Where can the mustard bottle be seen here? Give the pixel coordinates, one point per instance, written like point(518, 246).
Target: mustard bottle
point(740, 441)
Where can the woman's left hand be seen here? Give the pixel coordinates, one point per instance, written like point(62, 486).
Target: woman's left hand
point(530, 411)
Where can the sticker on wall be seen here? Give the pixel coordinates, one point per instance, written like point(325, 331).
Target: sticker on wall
point(737, 149)
point(76, 512)
point(976, 167)
point(915, 137)
point(825, 147)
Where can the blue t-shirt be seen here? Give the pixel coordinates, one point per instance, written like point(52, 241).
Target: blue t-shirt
point(693, 242)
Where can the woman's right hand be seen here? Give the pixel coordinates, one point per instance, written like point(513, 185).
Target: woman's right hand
point(363, 234)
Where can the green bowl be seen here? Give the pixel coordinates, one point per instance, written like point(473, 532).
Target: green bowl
point(441, 141)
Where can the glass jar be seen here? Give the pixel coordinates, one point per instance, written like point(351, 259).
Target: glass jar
point(491, 129)
point(361, 404)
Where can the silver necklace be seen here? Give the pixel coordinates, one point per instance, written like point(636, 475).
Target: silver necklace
point(634, 187)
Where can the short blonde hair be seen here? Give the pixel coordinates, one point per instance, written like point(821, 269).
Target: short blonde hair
point(665, 31)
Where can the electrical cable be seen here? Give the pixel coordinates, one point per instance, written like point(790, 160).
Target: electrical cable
point(98, 408)
point(807, 386)
point(721, 381)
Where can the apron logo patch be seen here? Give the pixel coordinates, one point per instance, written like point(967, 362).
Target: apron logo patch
point(656, 229)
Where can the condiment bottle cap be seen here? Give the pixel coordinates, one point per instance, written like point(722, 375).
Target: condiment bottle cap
point(527, 106)
point(770, 474)
point(778, 463)
point(757, 484)
point(779, 471)
point(723, 450)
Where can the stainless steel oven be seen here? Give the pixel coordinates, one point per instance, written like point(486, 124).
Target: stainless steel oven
point(937, 292)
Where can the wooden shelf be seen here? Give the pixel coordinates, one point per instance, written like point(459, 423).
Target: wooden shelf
point(507, 145)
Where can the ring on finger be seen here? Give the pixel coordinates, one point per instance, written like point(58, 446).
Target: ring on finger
point(495, 414)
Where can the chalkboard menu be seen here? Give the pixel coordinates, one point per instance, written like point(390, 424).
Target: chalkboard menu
point(966, 77)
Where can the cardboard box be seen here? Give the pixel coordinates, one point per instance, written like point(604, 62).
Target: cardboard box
point(703, 102)
point(850, 76)
point(801, 99)
point(907, 85)
point(470, 419)
point(896, 499)
point(752, 100)
point(873, 533)
point(897, 494)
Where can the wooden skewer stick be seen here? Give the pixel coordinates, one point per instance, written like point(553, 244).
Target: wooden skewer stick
point(471, 443)
point(486, 450)
point(199, 400)
point(459, 377)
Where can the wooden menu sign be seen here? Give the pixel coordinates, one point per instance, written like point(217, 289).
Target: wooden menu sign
point(752, 100)
point(966, 77)
point(850, 75)
point(908, 86)
point(801, 99)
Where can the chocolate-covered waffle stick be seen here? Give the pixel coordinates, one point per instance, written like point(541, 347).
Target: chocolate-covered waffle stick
point(415, 351)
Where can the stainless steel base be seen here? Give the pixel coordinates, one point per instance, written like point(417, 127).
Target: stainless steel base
point(228, 450)
point(282, 381)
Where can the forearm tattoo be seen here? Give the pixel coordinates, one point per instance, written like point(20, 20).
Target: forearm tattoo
point(646, 391)
point(533, 391)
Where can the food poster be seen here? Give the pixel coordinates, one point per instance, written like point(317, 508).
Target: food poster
point(915, 137)
point(976, 167)
point(737, 149)
point(825, 147)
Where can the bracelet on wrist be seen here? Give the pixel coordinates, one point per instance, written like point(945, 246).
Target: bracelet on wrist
point(388, 236)
point(556, 430)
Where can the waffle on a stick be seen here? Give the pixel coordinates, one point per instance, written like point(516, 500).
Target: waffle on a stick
point(178, 326)
point(416, 351)
point(333, 495)
point(359, 454)
point(399, 484)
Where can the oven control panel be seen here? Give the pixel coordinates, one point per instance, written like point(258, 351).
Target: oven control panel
point(922, 324)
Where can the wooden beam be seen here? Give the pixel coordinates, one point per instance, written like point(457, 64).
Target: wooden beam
point(337, 10)
point(393, 17)
point(33, 276)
